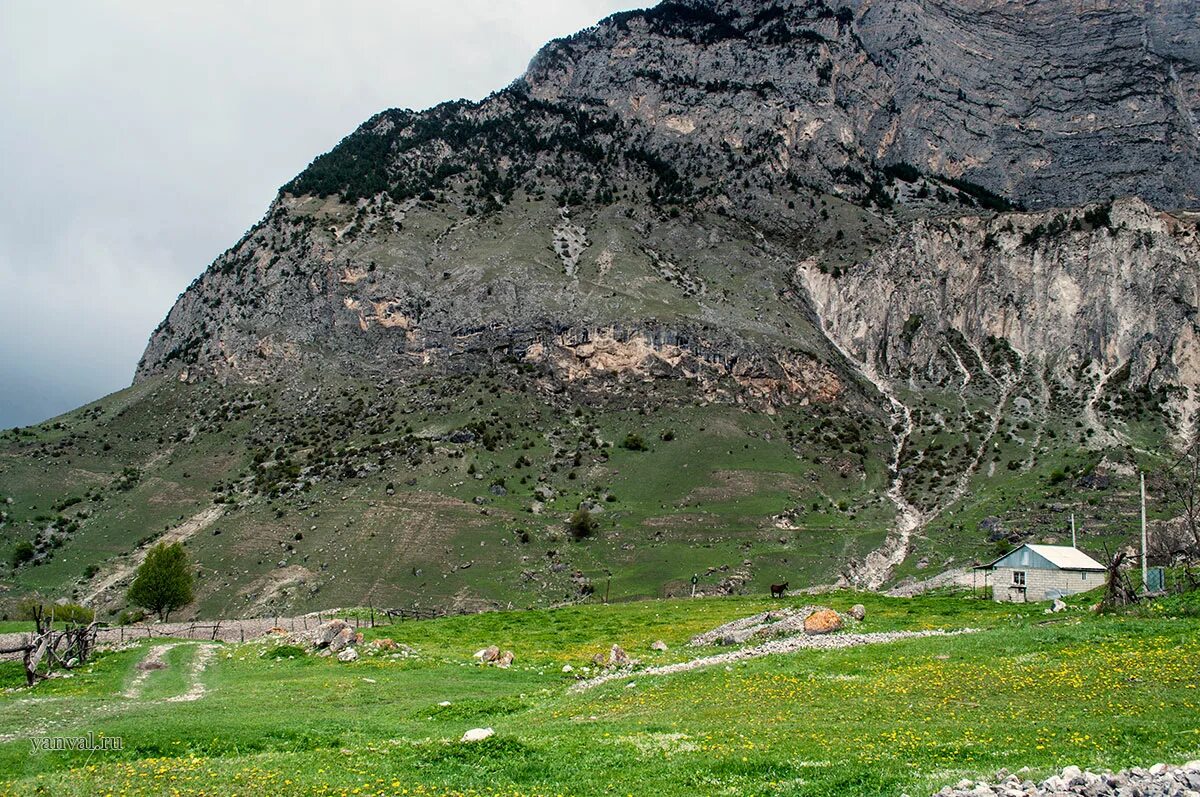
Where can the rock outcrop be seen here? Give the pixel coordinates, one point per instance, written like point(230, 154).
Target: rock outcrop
point(1111, 288)
point(968, 227)
point(774, 132)
point(1019, 97)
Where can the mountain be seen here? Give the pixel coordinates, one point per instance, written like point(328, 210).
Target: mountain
point(821, 290)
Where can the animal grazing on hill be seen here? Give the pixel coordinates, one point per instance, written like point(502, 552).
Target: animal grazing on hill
point(777, 590)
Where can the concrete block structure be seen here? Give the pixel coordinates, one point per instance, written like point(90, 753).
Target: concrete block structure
point(1042, 573)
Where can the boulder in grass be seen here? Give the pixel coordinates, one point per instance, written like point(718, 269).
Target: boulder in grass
point(823, 621)
point(325, 633)
point(858, 611)
point(658, 645)
point(488, 654)
point(505, 659)
point(344, 638)
point(348, 655)
point(478, 734)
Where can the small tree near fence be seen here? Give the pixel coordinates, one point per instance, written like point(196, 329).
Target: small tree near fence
point(164, 582)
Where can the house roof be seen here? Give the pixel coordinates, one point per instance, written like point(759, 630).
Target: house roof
point(1064, 557)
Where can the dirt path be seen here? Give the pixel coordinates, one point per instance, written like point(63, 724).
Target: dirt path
point(964, 480)
point(1042, 413)
point(772, 648)
point(1103, 435)
point(878, 565)
point(196, 690)
point(189, 528)
point(961, 366)
point(155, 659)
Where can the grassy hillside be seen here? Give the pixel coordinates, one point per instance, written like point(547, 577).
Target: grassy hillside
point(910, 716)
point(358, 493)
point(455, 492)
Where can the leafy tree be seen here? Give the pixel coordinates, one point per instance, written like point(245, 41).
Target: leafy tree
point(23, 553)
point(634, 442)
point(34, 608)
point(582, 525)
point(164, 582)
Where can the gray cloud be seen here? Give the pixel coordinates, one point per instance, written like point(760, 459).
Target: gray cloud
point(141, 139)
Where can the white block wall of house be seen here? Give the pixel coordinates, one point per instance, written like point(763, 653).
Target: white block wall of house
point(1042, 585)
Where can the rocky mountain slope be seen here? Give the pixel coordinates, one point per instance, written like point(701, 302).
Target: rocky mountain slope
point(1107, 290)
point(852, 272)
point(656, 110)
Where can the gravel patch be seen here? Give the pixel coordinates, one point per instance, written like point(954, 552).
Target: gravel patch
point(772, 648)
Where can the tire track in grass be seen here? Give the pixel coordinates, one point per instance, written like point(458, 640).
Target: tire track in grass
point(155, 659)
point(200, 662)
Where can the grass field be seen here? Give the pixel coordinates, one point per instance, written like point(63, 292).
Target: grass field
point(1029, 689)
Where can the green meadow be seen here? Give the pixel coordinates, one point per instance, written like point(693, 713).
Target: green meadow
point(1026, 689)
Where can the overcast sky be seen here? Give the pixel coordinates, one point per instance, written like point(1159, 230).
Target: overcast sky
point(138, 140)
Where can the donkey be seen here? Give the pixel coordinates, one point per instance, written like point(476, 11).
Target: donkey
point(777, 590)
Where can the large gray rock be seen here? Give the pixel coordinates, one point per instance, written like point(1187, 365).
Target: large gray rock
point(488, 655)
point(945, 86)
point(1085, 299)
point(344, 638)
point(324, 635)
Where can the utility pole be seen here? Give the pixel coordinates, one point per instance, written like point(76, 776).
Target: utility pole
point(1073, 545)
point(1145, 564)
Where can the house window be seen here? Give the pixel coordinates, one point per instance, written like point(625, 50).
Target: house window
point(1018, 578)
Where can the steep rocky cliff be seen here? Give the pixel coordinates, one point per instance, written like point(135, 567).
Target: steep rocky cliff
point(1107, 289)
point(1046, 103)
point(669, 163)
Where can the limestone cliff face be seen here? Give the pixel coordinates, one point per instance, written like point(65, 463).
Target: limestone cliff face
point(1058, 102)
point(1105, 288)
point(616, 295)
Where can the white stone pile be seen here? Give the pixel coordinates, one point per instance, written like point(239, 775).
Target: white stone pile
point(1160, 780)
